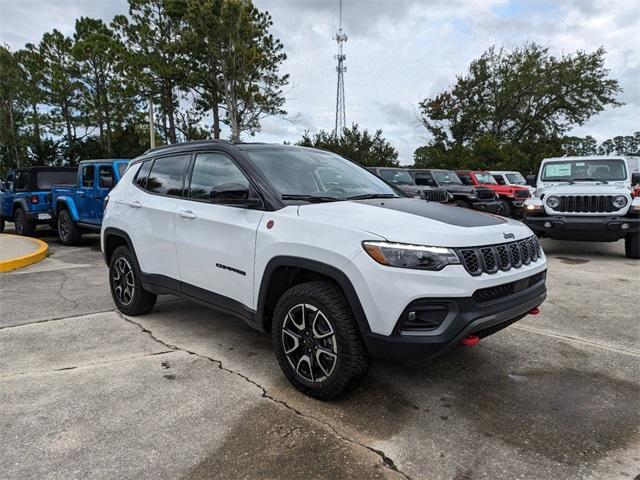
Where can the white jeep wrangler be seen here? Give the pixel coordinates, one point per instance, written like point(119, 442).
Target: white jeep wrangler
point(339, 266)
point(586, 199)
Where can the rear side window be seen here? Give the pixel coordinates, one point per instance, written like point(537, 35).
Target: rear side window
point(212, 170)
point(143, 173)
point(105, 176)
point(88, 174)
point(167, 175)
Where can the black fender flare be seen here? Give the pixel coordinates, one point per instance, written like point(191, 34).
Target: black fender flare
point(324, 269)
point(20, 203)
point(116, 232)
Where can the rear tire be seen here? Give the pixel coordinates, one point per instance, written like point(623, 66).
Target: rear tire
point(632, 245)
point(507, 211)
point(68, 231)
point(126, 287)
point(324, 355)
point(1, 224)
point(23, 226)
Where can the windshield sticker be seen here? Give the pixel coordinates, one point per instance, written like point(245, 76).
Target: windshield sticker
point(558, 170)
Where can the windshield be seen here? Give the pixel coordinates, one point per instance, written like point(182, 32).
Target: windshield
point(396, 176)
point(486, 178)
point(315, 173)
point(577, 170)
point(45, 180)
point(515, 178)
point(446, 176)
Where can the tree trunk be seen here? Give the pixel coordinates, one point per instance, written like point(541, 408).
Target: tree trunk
point(107, 119)
point(216, 121)
point(170, 113)
point(36, 132)
point(13, 133)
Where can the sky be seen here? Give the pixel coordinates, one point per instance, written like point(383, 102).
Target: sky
point(399, 52)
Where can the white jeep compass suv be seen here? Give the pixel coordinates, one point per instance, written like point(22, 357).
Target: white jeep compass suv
point(339, 266)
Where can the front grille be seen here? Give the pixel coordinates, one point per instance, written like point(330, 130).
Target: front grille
point(586, 204)
point(436, 195)
point(505, 256)
point(490, 294)
point(522, 193)
point(484, 194)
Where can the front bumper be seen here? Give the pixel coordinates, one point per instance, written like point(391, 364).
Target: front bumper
point(469, 318)
point(587, 228)
point(490, 206)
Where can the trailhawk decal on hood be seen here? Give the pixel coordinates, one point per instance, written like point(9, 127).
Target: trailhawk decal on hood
point(452, 215)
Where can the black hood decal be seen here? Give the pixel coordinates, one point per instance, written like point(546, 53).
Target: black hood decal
point(453, 215)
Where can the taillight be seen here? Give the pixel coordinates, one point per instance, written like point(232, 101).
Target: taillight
point(34, 199)
point(104, 205)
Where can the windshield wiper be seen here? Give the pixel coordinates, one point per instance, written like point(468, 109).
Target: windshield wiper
point(589, 180)
point(310, 198)
point(367, 196)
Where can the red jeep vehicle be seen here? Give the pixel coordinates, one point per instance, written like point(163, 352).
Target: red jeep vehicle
point(512, 196)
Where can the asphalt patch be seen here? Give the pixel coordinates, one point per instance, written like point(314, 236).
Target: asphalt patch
point(572, 260)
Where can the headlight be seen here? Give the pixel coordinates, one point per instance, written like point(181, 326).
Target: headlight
point(418, 257)
point(620, 201)
point(553, 202)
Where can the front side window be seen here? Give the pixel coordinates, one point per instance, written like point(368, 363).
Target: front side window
point(105, 176)
point(167, 175)
point(23, 180)
point(211, 171)
point(47, 179)
point(425, 179)
point(516, 178)
point(485, 178)
point(584, 170)
point(397, 176)
point(315, 173)
point(499, 179)
point(465, 178)
point(88, 176)
point(447, 177)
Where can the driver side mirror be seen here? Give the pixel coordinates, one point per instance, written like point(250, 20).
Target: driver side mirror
point(531, 180)
point(234, 194)
point(635, 178)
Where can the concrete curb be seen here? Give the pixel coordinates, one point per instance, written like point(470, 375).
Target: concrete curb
point(40, 253)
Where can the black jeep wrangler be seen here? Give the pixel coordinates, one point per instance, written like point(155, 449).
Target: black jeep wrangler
point(401, 178)
point(478, 198)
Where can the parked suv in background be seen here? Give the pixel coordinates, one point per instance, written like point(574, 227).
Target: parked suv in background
point(512, 197)
point(511, 178)
point(586, 198)
point(478, 198)
point(338, 271)
point(26, 196)
point(402, 179)
point(79, 207)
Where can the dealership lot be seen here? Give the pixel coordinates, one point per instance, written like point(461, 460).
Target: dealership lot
point(185, 392)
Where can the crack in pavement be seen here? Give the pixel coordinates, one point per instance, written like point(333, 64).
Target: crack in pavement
point(83, 365)
point(386, 460)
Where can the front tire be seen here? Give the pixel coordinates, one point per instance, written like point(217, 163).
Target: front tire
point(126, 287)
point(632, 245)
point(68, 231)
point(507, 211)
point(1, 224)
point(317, 341)
point(23, 226)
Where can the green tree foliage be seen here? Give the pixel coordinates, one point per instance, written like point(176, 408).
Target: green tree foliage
point(618, 145)
point(355, 144)
point(63, 90)
point(155, 63)
point(107, 102)
point(235, 63)
point(11, 110)
point(524, 98)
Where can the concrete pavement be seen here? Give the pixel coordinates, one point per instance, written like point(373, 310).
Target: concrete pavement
point(185, 392)
point(18, 252)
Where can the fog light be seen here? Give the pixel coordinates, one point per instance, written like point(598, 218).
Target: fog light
point(547, 224)
point(411, 316)
point(624, 226)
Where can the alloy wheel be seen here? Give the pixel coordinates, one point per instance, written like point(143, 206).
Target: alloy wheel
point(309, 342)
point(123, 281)
point(64, 227)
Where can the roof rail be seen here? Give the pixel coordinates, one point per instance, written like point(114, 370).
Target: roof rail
point(195, 142)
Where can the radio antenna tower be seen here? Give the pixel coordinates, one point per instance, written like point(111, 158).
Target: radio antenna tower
point(341, 120)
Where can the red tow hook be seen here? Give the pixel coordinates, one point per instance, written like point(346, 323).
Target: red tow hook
point(534, 311)
point(471, 340)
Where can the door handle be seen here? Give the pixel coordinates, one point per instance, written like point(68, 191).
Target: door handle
point(187, 214)
point(135, 204)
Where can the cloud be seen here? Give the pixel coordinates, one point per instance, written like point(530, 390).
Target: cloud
point(398, 53)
